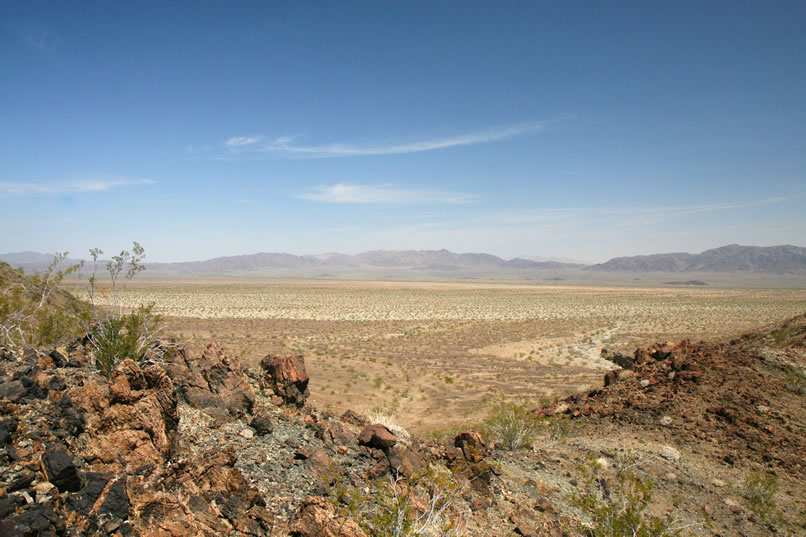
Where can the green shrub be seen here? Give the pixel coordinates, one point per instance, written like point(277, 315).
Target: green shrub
point(761, 491)
point(511, 425)
point(388, 509)
point(33, 310)
point(617, 508)
point(113, 334)
point(795, 380)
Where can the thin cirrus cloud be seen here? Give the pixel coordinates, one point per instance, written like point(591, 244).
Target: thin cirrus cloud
point(70, 187)
point(347, 193)
point(287, 145)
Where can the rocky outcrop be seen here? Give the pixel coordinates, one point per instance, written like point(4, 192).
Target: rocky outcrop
point(472, 444)
point(212, 381)
point(317, 518)
point(133, 420)
point(377, 436)
point(100, 456)
point(287, 377)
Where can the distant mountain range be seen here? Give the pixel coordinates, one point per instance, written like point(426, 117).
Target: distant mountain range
point(733, 258)
point(785, 259)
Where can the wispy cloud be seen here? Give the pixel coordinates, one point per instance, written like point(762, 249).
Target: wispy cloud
point(347, 193)
point(70, 187)
point(287, 145)
point(241, 141)
point(35, 34)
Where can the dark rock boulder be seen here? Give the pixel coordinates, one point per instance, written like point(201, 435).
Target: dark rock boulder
point(472, 444)
point(61, 470)
point(286, 375)
point(377, 436)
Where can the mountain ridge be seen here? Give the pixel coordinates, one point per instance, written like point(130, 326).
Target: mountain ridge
point(733, 258)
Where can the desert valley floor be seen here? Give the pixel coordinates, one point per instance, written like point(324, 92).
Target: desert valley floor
point(437, 355)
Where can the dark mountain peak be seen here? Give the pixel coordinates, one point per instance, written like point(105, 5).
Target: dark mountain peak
point(784, 259)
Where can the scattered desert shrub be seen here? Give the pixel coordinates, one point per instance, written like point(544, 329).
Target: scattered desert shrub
point(397, 507)
point(511, 425)
point(795, 380)
point(114, 334)
point(761, 490)
point(388, 418)
point(33, 310)
point(617, 508)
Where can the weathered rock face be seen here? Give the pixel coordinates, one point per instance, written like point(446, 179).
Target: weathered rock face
point(377, 436)
point(211, 498)
point(211, 381)
point(287, 377)
point(91, 455)
point(317, 518)
point(133, 420)
point(472, 444)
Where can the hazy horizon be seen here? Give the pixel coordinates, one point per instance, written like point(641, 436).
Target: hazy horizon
point(518, 129)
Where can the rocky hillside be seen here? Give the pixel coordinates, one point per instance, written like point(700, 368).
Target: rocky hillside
point(195, 444)
point(785, 259)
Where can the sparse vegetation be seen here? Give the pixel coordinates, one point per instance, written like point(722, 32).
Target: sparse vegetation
point(399, 507)
point(511, 425)
point(617, 507)
point(113, 334)
point(33, 311)
point(761, 490)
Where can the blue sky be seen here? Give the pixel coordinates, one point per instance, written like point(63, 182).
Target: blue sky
point(582, 130)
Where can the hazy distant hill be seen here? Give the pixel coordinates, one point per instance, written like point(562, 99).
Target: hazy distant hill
point(417, 260)
point(734, 258)
point(785, 259)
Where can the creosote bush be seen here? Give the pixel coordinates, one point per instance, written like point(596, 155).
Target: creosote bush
point(761, 490)
point(511, 425)
point(32, 313)
point(114, 334)
point(399, 507)
point(617, 508)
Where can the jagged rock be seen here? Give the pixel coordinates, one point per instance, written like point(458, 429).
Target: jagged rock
point(7, 427)
point(212, 498)
point(354, 418)
point(377, 436)
point(61, 470)
point(211, 381)
point(405, 461)
point(317, 517)
point(137, 423)
point(287, 377)
point(261, 424)
point(472, 444)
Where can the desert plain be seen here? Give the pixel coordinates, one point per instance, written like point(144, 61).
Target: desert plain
point(436, 356)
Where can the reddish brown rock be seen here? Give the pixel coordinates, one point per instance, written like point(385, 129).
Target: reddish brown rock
point(317, 517)
point(211, 381)
point(287, 377)
point(377, 436)
point(405, 461)
point(138, 424)
point(354, 418)
point(472, 444)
